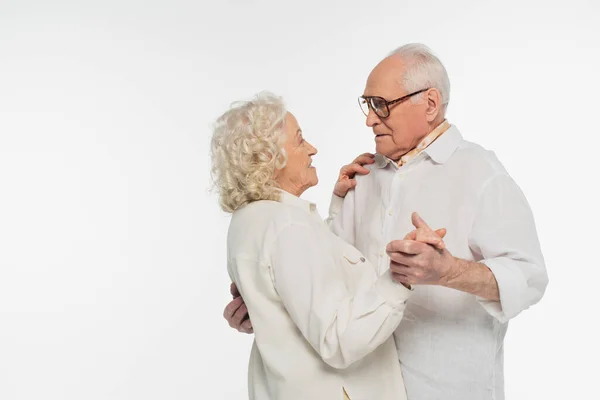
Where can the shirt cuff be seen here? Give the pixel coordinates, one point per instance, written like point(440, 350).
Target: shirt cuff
point(394, 293)
point(510, 289)
point(335, 206)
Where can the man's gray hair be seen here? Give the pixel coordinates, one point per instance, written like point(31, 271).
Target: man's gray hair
point(423, 70)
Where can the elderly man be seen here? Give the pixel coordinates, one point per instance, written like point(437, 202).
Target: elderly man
point(450, 342)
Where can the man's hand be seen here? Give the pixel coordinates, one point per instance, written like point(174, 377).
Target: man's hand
point(236, 312)
point(346, 179)
point(421, 257)
point(426, 235)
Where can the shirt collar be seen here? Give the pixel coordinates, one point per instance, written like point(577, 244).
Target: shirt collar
point(439, 151)
point(295, 201)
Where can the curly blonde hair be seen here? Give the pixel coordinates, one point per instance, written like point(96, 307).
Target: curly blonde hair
point(246, 151)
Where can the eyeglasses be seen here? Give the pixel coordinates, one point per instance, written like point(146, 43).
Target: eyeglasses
point(379, 105)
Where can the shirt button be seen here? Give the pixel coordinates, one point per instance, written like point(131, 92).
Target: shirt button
point(390, 212)
point(362, 259)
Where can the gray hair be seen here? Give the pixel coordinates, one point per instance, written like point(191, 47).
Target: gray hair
point(247, 149)
point(423, 70)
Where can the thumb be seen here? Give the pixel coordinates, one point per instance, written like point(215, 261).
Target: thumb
point(418, 222)
point(234, 290)
point(343, 186)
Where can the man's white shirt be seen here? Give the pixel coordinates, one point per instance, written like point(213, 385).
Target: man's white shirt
point(450, 343)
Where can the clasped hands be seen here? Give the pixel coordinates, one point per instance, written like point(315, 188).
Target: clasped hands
point(421, 258)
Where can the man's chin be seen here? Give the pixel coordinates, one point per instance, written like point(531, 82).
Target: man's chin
point(384, 151)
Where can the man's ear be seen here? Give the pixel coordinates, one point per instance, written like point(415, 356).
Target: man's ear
point(433, 97)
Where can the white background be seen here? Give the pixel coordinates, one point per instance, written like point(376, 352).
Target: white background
point(112, 258)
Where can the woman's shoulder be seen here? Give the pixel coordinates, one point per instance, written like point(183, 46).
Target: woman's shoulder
point(257, 225)
point(266, 215)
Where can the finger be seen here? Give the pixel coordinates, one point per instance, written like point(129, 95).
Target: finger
point(246, 326)
point(231, 308)
point(352, 169)
point(365, 156)
point(405, 280)
point(238, 317)
point(430, 238)
point(234, 290)
point(396, 276)
point(405, 246)
point(421, 234)
point(400, 258)
point(412, 235)
point(441, 232)
point(419, 222)
point(346, 184)
point(364, 159)
point(343, 186)
point(399, 268)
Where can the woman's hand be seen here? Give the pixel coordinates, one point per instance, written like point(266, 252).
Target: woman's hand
point(236, 312)
point(346, 179)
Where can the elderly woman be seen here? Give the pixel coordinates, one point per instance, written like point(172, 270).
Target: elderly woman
point(322, 318)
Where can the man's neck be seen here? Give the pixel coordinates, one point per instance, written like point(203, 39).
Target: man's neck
point(434, 132)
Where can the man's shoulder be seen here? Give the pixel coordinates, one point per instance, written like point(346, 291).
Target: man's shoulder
point(375, 175)
point(372, 168)
point(473, 155)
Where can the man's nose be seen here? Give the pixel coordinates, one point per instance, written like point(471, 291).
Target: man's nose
point(372, 118)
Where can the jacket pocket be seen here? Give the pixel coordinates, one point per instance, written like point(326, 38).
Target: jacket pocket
point(353, 256)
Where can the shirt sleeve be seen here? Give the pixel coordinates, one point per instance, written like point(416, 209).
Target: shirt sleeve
point(341, 217)
point(341, 326)
point(504, 234)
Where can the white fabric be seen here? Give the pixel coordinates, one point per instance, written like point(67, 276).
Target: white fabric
point(323, 319)
point(450, 342)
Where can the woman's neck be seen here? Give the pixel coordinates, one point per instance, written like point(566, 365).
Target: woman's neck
point(291, 188)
